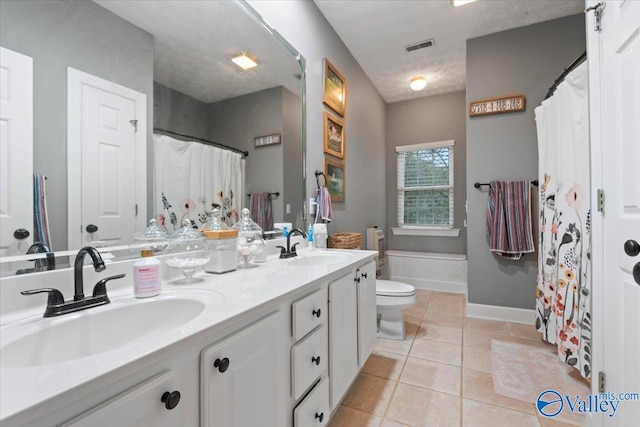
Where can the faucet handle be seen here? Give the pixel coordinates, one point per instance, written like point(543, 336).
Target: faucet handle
point(55, 296)
point(283, 250)
point(100, 289)
point(293, 248)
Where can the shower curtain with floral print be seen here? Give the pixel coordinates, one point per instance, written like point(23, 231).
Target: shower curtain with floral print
point(563, 291)
point(190, 179)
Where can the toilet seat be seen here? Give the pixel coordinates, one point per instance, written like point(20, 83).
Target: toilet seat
point(390, 288)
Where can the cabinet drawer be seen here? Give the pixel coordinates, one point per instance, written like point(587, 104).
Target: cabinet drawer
point(308, 313)
point(314, 410)
point(308, 361)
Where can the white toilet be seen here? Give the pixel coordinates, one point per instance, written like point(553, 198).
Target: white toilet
point(391, 298)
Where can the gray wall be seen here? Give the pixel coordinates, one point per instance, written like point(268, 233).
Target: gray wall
point(177, 112)
point(86, 37)
point(504, 147)
point(302, 24)
point(434, 118)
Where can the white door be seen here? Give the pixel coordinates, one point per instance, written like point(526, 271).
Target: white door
point(105, 137)
point(16, 151)
point(617, 141)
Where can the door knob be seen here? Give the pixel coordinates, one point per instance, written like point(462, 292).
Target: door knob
point(21, 234)
point(170, 399)
point(636, 273)
point(221, 364)
point(631, 247)
point(91, 228)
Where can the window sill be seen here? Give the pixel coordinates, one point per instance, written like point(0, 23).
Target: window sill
point(424, 231)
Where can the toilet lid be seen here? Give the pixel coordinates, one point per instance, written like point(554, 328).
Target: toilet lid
point(389, 288)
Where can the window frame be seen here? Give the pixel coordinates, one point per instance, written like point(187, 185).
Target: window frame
point(400, 174)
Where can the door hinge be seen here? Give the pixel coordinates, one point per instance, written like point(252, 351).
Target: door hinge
point(600, 200)
point(597, 10)
point(134, 123)
point(601, 382)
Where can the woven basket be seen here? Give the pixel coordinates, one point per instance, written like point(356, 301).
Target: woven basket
point(345, 240)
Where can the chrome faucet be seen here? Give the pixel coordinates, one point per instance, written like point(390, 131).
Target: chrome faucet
point(57, 306)
point(290, 251)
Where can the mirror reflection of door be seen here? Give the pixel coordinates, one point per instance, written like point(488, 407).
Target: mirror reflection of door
point(106, 152)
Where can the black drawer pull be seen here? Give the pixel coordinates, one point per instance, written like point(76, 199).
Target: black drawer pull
point(320, 416)
point(170, 399)
point(364, 275)
point(316, 360)
point(222, 365)
point(317, 313)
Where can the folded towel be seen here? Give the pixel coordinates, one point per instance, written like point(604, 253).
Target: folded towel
point(261, 211)
point(323, 201)
point(509, 219)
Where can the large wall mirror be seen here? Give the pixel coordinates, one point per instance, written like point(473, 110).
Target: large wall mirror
point(149, 69)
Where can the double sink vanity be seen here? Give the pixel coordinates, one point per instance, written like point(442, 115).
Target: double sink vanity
point(273, 346)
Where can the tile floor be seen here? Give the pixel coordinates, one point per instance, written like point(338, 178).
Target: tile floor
point(440, 375)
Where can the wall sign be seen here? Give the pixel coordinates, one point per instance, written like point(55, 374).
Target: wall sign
point(505, 104)
point(267, 140)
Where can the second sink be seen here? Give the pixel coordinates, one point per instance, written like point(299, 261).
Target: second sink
point(319, 258)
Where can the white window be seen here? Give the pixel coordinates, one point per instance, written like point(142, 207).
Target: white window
point(425, 185)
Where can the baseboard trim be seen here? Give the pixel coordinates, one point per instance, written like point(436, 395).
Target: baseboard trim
point(433, 285)
point(504, 314)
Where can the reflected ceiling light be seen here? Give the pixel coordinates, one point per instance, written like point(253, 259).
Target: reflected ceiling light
point(245, 60)
point(457, 3)
point(418, 83)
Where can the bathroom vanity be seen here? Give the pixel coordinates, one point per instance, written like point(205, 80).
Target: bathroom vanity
point(278, 345)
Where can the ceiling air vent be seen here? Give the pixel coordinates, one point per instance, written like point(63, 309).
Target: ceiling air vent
point(420, 45)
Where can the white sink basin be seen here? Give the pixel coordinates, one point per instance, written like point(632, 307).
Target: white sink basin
point(307, 259)
point(98, 330)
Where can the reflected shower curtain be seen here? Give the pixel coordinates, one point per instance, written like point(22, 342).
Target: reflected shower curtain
point(563, 300)
point(191, 178)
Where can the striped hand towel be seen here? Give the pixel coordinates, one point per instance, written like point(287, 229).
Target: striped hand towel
point(261, 210)
point(509, 219)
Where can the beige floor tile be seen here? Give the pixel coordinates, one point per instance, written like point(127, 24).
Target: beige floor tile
point(446, 304)
point(418, 407)
point(423, 295)
point(450, 294)
point(415, 331)
point(450, 320)
point(437, 351)
point(536, 343)
point(553, 422)
point(413, 311)
point(390, 423)
point(348, 417)
point(395, 346)
point(384, 365)
point(473, 338)
point(413, 318)
point(523, 331)
point(369, 394)
point(476, 358)
point(478, 386)
point(568, 417)
point(432, 375)
point(482, 325)
point(442, 334)
point(476, 414)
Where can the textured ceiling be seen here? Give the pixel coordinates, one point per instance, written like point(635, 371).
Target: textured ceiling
point(377, 31)
point(194, 41)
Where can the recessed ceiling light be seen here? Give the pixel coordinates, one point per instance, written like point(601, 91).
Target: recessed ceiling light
point(245, 60)
point(457, 3)
point(418, 83)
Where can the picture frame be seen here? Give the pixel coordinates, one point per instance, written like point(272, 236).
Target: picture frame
point(335, 178)
point(334, 88)
point(333, 135)
point(261, 141)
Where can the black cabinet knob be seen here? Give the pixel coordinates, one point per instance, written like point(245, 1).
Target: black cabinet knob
point(317, 312)
point(631, 247)
point(357, 280)
point(364, 275)
point(91, 228)
point(636, 273)
point(316, 360)
point(170, 399)
point(320, 416)
point(221, 364)
point(21, 234)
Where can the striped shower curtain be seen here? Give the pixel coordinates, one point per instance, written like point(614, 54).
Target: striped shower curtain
point(563, 291)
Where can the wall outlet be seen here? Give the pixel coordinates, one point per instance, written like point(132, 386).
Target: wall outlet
point(288, 208)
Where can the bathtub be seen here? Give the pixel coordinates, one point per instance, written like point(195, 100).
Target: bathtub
point(429, 270)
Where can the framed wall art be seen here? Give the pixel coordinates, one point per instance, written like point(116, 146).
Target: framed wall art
point(334, 172)
point(334, 92)
point(333, 135)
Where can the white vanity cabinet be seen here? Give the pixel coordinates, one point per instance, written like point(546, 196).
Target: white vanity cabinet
point(367, 317)
point(244, 377)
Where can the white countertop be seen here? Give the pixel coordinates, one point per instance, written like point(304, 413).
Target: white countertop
point(228, 297)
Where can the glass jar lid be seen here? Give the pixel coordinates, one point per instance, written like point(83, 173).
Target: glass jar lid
point(246, 224)
point(214, 222)
point(152, 233)
point(187, 232)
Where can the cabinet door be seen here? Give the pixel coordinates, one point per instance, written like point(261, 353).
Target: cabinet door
point(343, 336)
point(243, 377)
point(141, 406)
point(367, 320)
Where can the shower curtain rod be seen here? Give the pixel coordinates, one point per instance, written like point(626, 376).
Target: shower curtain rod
point(579, 60)
point(206, 141)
